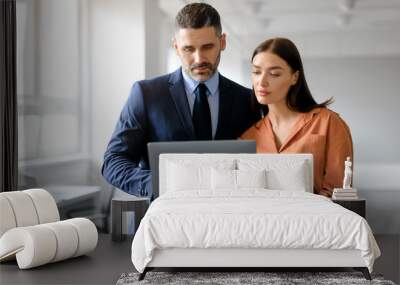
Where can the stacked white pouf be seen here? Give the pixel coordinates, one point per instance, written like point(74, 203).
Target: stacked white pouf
point(31, 230)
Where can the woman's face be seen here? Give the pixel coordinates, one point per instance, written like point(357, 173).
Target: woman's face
point(271, 78)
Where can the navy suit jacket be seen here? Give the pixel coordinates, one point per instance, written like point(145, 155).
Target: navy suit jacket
point(158, 110)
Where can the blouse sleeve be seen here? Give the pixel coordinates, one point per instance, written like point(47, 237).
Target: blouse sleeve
point(339, 146)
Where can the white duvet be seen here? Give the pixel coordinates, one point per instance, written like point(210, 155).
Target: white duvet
point(250, 219)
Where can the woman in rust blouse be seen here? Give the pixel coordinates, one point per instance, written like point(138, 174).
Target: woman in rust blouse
point(293, 121)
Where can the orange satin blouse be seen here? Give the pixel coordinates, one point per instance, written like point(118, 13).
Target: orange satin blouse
point(320, 132)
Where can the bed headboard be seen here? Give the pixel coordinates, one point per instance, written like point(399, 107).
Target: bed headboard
point(282, 164)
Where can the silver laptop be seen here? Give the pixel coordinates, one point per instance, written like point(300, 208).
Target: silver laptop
point(219, 146)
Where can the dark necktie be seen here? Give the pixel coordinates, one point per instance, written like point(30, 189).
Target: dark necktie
point(201, 114)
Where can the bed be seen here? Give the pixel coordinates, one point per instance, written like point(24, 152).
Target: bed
point(247, 210)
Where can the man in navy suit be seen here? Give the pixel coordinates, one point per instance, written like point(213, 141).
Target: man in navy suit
point(195, 102)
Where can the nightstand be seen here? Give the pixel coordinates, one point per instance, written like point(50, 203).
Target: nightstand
point(357, 205)
point(138, 205)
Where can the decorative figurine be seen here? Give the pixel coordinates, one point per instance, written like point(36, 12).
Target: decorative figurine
point(348, 173)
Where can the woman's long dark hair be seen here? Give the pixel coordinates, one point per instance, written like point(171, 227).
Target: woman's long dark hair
point(299, 97)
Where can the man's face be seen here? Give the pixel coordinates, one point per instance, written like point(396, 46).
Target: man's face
point(199, 51)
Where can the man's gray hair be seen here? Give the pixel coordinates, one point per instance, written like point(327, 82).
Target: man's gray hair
point(198, 15)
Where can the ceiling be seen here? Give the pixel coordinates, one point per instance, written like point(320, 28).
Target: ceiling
point(318, 27)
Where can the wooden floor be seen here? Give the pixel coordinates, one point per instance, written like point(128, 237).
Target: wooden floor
point(111, 259)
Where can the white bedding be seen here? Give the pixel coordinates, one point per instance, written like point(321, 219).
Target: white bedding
point(251, 218)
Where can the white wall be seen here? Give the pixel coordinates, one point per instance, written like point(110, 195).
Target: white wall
point(117, 59)
point(158, 38)
point(231, 60)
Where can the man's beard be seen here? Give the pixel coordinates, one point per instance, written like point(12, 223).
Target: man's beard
point(211, 67)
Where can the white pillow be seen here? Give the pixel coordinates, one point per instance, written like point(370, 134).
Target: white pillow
point(186, 175)
point(280, 174)
point(293, 178)
point(236, 179)
point(223, 179)
point(183, 178)
point(251, 178)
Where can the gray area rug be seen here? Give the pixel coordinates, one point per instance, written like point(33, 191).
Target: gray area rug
point(270, 278)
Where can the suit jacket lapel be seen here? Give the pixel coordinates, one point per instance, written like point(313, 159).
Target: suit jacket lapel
point(178, 94)
point(225, 106)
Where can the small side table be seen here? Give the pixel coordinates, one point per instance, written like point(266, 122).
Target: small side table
point(119, 206)
point(358, 206)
